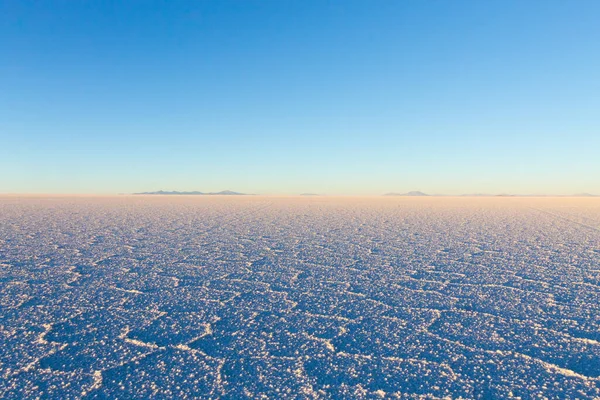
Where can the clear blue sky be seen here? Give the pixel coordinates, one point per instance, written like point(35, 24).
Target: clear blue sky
point(281, 96)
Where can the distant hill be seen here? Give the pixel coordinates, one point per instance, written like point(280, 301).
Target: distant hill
point(195, 193)
point(409, 194)
point(227, 193)
point(309, 194)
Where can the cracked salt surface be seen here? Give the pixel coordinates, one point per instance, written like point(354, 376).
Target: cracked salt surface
point(309, 298)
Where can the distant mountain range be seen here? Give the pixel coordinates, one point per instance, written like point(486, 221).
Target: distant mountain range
point(196, 193)
point(392, 194)
point(410, 194)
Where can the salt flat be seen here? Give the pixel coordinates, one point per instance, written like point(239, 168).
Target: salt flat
point(306, 297)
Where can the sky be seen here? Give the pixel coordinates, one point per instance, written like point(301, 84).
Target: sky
point(290, 96)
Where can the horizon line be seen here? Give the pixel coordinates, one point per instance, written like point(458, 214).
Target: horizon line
point(219, 194)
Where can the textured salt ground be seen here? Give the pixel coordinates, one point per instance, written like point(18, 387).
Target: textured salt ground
point(312, 297)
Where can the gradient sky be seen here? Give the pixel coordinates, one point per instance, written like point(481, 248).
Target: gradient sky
point(281, 96)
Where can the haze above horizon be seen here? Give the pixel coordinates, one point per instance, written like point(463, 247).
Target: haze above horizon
point(273, 97)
